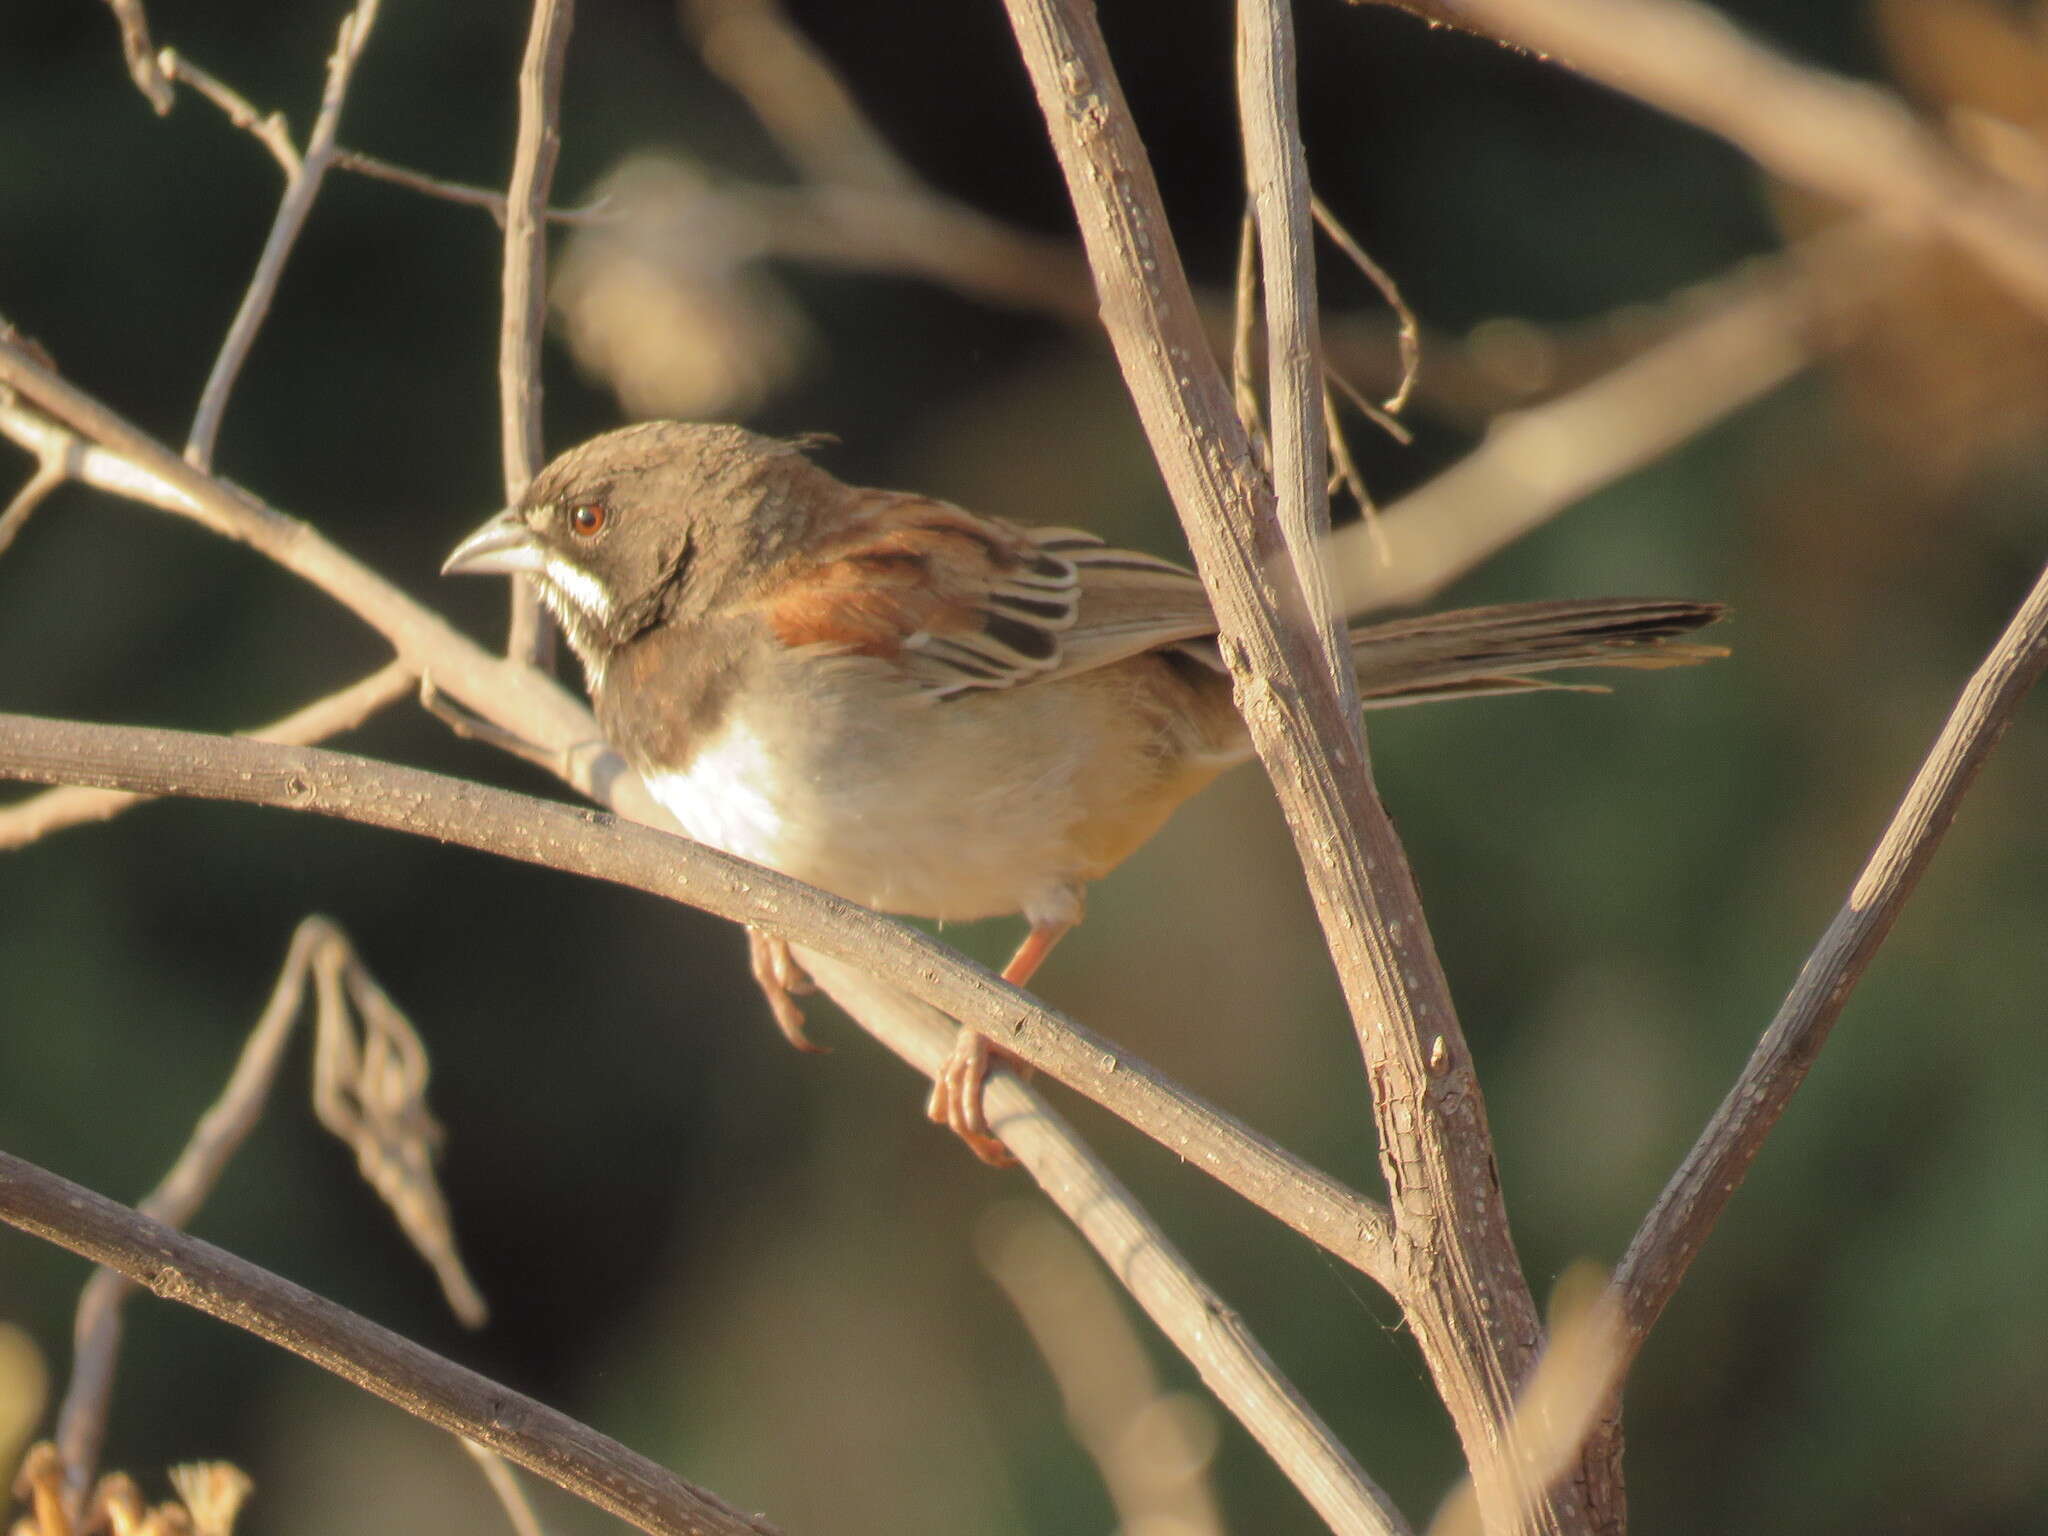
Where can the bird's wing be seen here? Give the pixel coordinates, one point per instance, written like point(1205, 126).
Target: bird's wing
point(959, 603)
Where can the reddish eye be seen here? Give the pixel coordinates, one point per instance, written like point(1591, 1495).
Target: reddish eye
point(586, 519)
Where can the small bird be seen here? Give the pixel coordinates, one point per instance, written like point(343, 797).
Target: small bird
point(924, 709)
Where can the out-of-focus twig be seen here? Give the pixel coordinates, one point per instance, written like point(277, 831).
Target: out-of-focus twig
point(1212, 1337)
point(395, 1133)
point(1152, 1447)
point(141, 55)
point(51, 471)
point(302, 185)
point(538, 146)
point(505, 1487)
point(1583, 1357)
point(1842, 138)
point(184, 1269)
point(796, 94)
point(343, 710)
point(1750, 337)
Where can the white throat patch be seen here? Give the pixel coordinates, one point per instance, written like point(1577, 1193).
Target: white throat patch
point(579, 588)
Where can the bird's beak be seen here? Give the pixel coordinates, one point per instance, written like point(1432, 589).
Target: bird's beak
point(502, 547)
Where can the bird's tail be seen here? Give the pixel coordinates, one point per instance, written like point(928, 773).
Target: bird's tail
point(1471, 652)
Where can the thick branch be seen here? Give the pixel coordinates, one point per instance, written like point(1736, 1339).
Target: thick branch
point(184, 1269)
point(1462, 1284)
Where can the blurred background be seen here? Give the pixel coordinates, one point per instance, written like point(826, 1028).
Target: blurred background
point(767, 1270)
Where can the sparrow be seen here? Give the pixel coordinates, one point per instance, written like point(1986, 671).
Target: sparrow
point(924, 709)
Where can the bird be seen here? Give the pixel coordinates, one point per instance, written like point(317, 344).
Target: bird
point(925, 709)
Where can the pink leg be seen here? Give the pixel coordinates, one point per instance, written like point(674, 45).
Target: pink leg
point(956, 1097)
point(781, 981)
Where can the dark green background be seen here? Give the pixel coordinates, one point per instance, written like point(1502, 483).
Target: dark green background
point(759, 1267)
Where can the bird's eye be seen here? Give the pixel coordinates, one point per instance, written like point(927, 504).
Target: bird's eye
point(586, 520)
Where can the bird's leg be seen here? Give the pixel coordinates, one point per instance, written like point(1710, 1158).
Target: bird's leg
point(782, 981)
point(956, 1097)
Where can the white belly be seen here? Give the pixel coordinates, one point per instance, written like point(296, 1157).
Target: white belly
point(840, 800)
point(730, 797)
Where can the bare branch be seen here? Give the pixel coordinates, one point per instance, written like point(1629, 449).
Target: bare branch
point(342, 710)
point(1410, 331)
point(486, 198)
point(183, 1269)
point(1461, 1282)
point(52, 470)
point(1685, 1213)
point(1841, 138)
point(141, 56)
point(578, 841)
point(270, 130)
point(525, 287)
point(301, 187)
point(321, 950)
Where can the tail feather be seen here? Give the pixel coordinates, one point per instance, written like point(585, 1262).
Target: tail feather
point(1477, 651)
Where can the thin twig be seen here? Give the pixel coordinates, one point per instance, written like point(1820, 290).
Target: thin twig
point(525, 292)
point(268, 129)
point(183, 1269)
point(1410, 331)
point(486, 198)
point(141, 55)
point(301, 187)
point(1244, 373)
point(796, 95)
point(1141, 1256)
point(505, 1486)
point(1344, 468)
point(1371, 409)
point(51, 471)
point(343, 710)
point(1846, 139)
